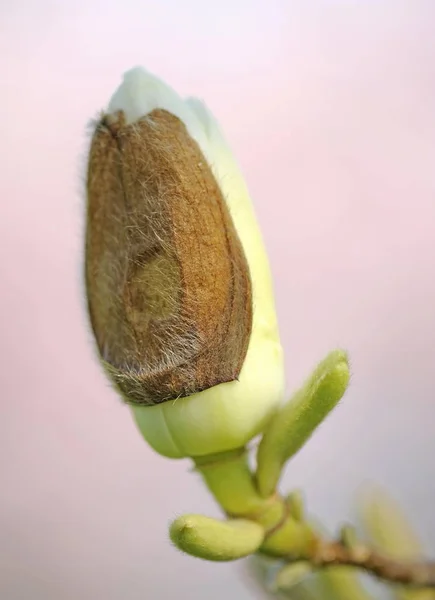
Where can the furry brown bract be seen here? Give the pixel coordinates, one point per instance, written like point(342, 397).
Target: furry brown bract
point(167, 280)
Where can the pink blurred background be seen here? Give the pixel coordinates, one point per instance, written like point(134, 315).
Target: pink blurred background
point(329, 106)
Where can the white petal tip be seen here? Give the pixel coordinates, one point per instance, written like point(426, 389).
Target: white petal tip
point(140, 93)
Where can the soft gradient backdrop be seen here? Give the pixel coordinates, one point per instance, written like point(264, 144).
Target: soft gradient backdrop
point(329, 106)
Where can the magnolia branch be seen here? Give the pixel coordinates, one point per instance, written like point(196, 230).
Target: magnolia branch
point(418, 574)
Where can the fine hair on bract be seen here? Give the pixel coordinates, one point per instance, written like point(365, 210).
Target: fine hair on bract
point(168, 284)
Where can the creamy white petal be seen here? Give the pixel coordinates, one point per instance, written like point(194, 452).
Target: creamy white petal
point(141, 92)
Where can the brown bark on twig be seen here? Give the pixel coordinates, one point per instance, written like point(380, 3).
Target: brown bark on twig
point(418, 574)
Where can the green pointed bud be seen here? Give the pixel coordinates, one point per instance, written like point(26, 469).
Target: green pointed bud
point(387, 527)
point(349, 537)
point(295, 503)
point(293, 425)
point(211, 539)
point(293, 574)
point(340, 583)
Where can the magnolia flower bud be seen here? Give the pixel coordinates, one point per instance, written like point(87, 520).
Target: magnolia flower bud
point(178, 283)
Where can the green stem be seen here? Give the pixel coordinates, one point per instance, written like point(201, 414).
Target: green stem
point(232, 483)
